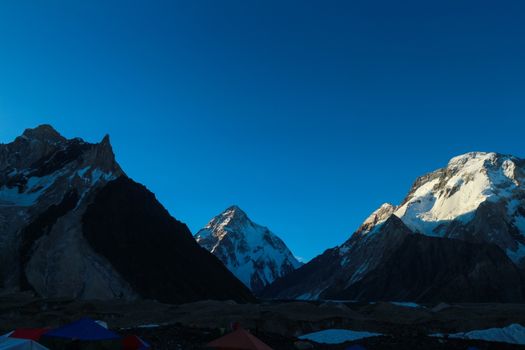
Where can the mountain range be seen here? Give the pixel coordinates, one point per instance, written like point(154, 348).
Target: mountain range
point(72, 224)
point(459, 235)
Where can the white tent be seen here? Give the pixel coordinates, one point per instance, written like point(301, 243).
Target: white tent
point(7, 343)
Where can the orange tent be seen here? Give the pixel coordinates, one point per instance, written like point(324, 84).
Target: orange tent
point(239, 339)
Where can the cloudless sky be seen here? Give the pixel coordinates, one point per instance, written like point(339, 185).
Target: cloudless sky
point(307, 114)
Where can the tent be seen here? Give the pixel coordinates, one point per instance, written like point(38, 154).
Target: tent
point(29, 333)
point(356, 347)
point(7, 343)
point(239, 339)
point(83, 334)
point(132, 342)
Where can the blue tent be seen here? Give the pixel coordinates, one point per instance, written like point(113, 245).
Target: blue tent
point(84, 329)
point(84, 334)
point(356, 347)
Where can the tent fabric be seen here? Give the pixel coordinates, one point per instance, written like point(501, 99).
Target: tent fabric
point(239, 339)
point(102, 323)
point(84, 329)
point(7, 343)
point(356, 347)
point(29, 333)
point(132, 342)
point(69, 344)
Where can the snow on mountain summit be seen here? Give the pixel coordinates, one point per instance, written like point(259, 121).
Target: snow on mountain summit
point(251, 252)
point(458, 233)
point(456, 191)
point(377, 217)
point(478, 196)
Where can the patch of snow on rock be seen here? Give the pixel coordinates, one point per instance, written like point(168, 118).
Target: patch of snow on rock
point(337, 336)
point(513, 334)
point(406, 304)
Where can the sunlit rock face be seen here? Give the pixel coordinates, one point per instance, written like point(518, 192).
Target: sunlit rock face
point(477, 200)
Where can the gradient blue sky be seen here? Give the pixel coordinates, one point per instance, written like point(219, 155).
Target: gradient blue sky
point(308, 115)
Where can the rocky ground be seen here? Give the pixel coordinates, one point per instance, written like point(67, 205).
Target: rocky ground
point(180, 337)
point(191, 326)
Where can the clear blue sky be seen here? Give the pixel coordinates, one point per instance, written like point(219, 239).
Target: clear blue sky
point(308, 115)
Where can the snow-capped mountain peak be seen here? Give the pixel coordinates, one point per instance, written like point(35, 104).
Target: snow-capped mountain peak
point(251, 251)
point(377, 217)
point(461, 225)
point(456, 191)
point(478, 196)
point(231, 219)
point(231, 215)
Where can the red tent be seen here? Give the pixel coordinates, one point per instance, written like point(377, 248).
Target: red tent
point(239, 339)
point(29, 333)
point(132, 342)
